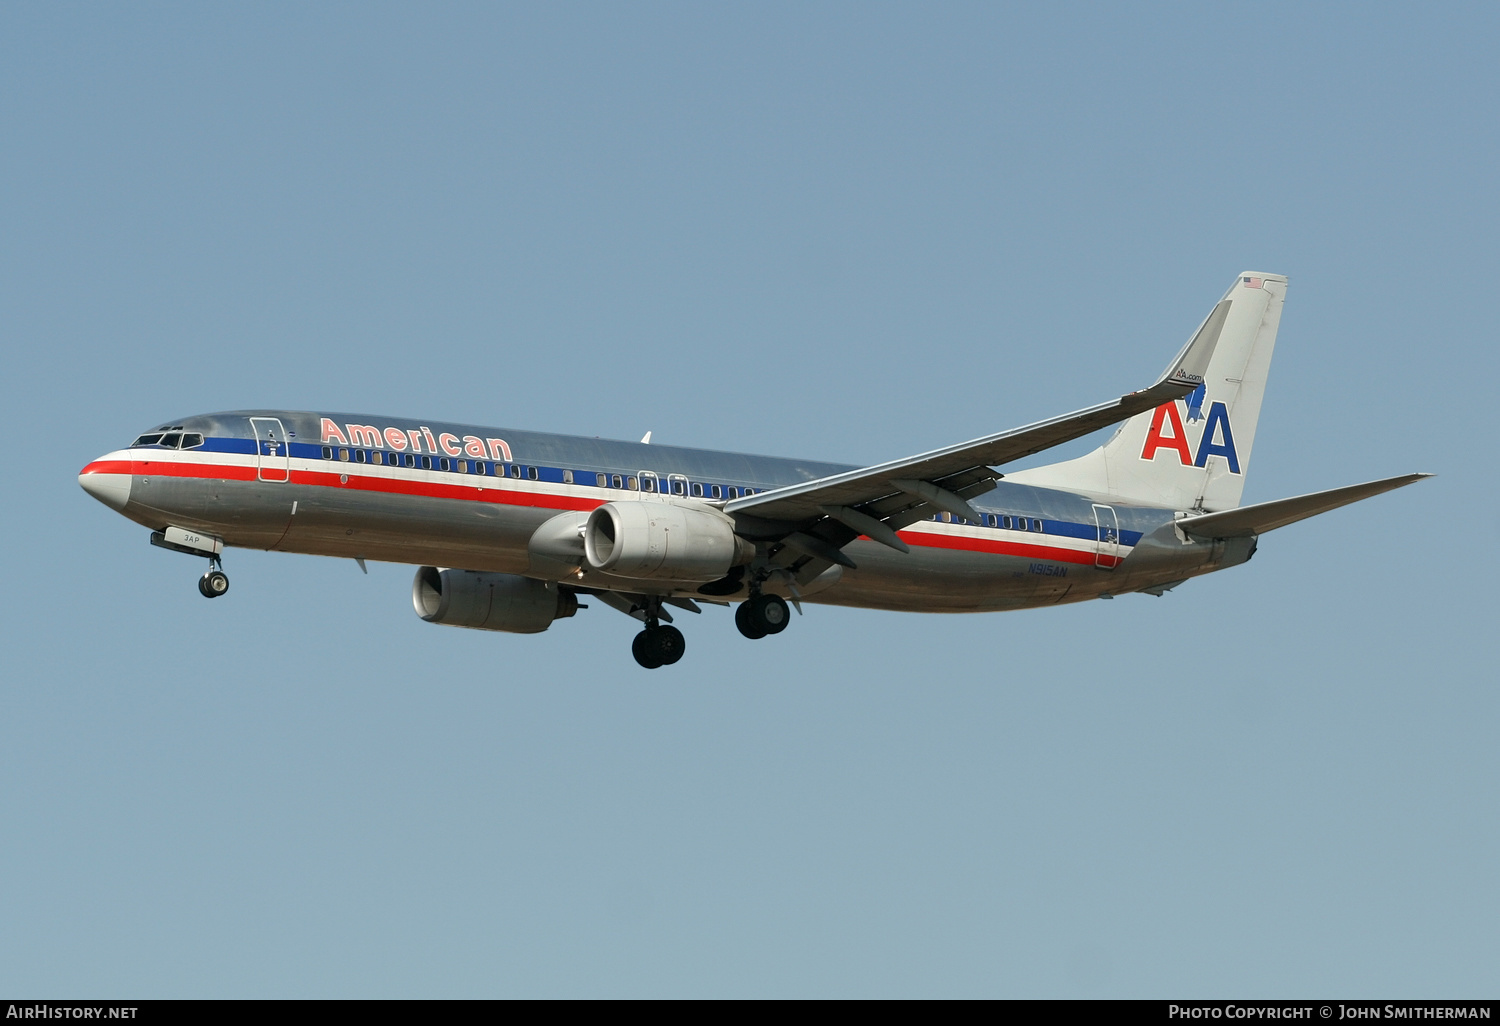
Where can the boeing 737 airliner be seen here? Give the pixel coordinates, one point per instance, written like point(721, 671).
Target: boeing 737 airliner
point(510, 528)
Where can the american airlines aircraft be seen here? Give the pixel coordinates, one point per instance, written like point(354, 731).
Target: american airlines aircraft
point(509, 529)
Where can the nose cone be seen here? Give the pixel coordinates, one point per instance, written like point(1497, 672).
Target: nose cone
point(111, 489)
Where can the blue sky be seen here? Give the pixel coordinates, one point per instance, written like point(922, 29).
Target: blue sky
point(848, 232)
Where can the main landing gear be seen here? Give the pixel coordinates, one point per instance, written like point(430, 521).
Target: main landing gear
point(660, 644)
point(760, 615)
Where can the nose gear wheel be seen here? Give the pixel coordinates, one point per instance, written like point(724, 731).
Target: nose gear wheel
point(213, 583)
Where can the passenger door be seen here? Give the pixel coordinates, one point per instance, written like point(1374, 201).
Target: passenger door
point(1107, 556)
point(272, 459)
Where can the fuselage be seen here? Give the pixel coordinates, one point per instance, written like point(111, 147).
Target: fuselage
point(449, 495)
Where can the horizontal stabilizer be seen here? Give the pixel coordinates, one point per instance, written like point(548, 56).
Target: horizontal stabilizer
point(1267, 516)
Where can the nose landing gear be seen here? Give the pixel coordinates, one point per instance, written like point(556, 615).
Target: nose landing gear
point(213, 583)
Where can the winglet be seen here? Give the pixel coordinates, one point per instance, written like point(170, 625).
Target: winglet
point(1192, 363)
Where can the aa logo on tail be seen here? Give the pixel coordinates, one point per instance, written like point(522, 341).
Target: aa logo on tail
point(1167, 432)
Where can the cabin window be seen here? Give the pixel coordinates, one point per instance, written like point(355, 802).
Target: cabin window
point(360, 456)
point(567, 477)
point(716, 492)
point(648, 484)
point(463, 466)
point(531, 474)
point(426, 462)
point(1021, 524)
point(327, 453)
point(632, 484)
point(616, 481)
point(411, 461)
point(679, 487)
point(697, 490)
point(377, 458)
point(514, 470)
point(1036, 525)
point(602, 480)
point(343, 455)
point(443, 463)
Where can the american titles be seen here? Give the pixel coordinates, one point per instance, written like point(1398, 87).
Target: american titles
point(368, 436)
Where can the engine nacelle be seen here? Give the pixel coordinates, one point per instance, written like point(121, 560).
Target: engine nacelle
point(663, 541)
point(489, 602)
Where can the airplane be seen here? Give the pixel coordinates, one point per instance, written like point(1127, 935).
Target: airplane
point(510, 529)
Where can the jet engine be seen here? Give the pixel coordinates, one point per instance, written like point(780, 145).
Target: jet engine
point(663, 541)
point(489, 602)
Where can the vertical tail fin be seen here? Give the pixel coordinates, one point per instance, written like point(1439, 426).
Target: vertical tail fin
point(1192, 453)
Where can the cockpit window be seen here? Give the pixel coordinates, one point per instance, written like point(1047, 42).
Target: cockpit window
point(174, 440)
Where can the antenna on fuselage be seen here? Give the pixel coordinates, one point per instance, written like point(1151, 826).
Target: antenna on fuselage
point(646, 438)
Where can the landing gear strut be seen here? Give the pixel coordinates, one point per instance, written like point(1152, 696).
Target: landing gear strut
point(658, 645)
point(760, 615)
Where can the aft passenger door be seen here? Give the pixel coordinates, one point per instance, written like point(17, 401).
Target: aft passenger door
point(271, 457)
point(1108, 525)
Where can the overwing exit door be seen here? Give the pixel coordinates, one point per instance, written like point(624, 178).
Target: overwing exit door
point(272, 459)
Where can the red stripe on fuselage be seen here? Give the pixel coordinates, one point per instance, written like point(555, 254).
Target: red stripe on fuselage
point(163, 468)
point(430, 490)
point(510, 497)
point(964, 543)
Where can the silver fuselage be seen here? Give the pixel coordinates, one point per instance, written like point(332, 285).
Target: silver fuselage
point(447, 495)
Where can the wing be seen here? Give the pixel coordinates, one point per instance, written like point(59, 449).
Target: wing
point(903, 491)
